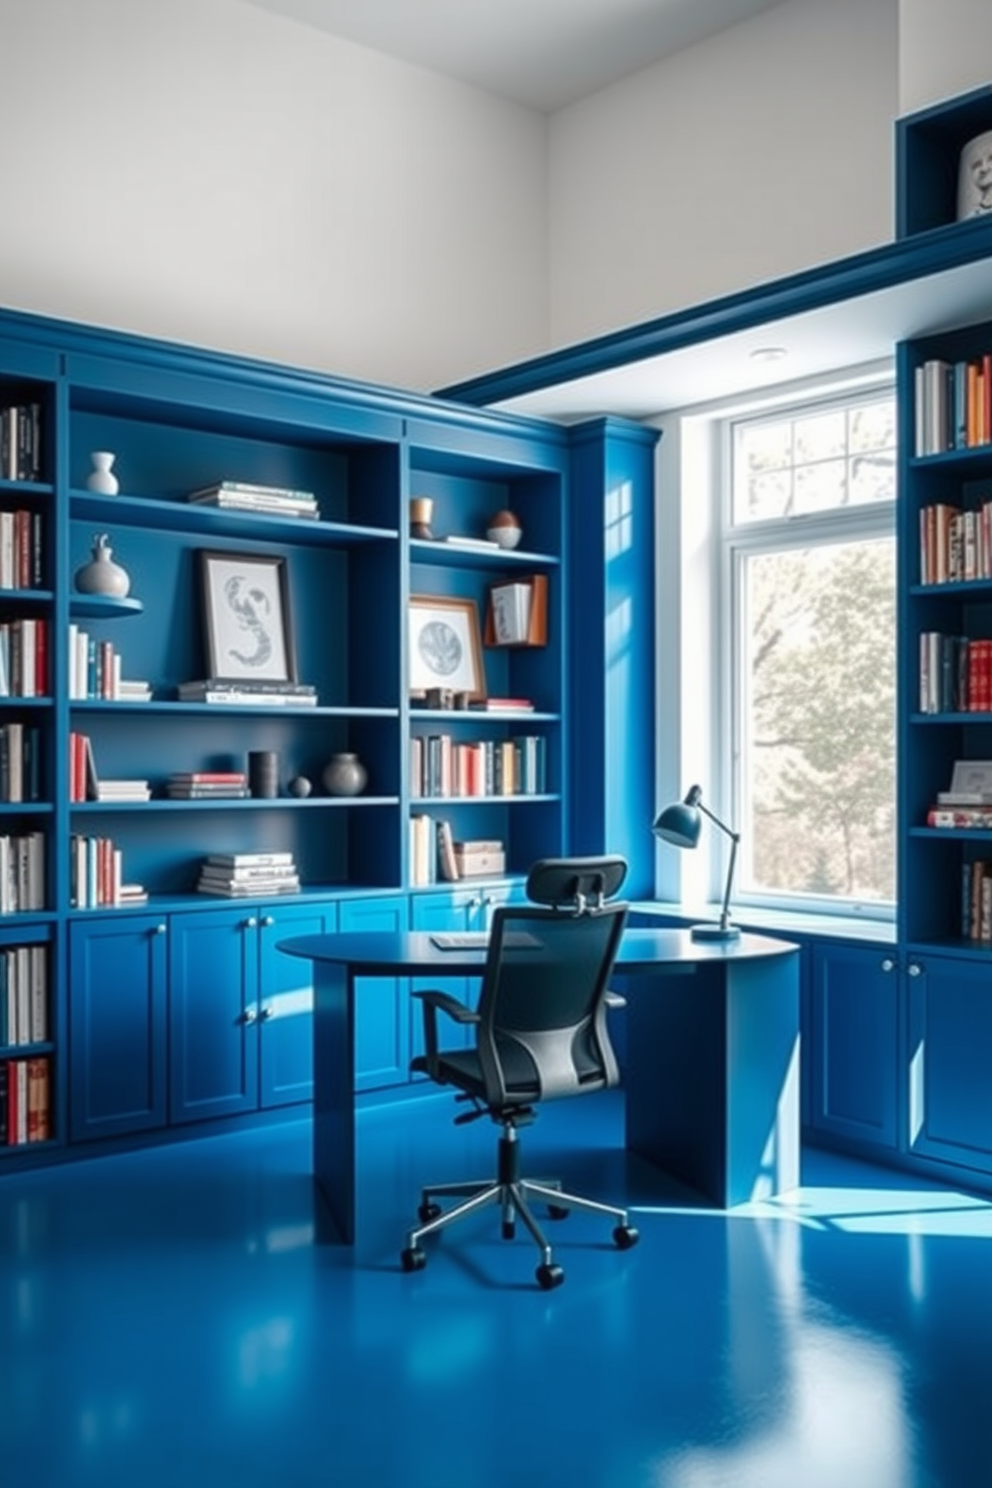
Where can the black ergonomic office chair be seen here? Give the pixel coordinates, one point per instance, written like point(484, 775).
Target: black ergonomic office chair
point(540, 1033)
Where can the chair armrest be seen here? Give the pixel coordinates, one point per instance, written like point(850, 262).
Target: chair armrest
point(614, 1000)
point(432, 1001)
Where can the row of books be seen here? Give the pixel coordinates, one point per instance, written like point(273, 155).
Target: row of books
point(262, 694)
point(21, 454)
point(23, 994)
point(20, 550)
point(248, 875)
point(953, 404)
point(955, 545)
point(275, 501)
point(442, 766)
point(96, 876)
point(20, 761)
point(974, 817)
point(25, 1100)
point(24, 657)
point(976, 901)
point(95, 671)
point(22, 872)
point(425, 850)
point(955, 674)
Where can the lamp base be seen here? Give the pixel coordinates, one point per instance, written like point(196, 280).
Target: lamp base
point(715, 932)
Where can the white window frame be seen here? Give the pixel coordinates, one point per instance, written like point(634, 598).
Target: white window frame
point(696, 734)
point(739, 541)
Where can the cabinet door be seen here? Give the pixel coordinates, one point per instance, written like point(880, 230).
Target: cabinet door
point(950, 1060)
point(382, 1004)
point(286, 1003)
point(213, 1014)
point(855, 1024)
point(117, 1026)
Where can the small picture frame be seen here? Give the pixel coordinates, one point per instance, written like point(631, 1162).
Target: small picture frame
point(248, 634)
point(445, 648)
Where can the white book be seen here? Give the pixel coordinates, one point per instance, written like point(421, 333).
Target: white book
point(22, 962)
point(248, 859)
point(28, 634)
point(6, 550)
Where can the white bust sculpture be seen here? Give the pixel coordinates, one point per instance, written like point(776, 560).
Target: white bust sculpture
point(975, 177)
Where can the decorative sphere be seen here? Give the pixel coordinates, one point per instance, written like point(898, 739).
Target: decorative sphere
point(504, 528)
point(299, 786)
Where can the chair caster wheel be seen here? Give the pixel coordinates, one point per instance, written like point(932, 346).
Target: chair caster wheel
point(625, 1236)
point(549, 1277)
point(509, 1229)
point(413, 1259)
point(428, 1212)
point(556, 1211)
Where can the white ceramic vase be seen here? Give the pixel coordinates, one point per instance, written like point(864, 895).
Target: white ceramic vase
point(102, 478)
point(102, 575)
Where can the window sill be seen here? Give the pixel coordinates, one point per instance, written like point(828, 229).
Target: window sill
point(794, 922)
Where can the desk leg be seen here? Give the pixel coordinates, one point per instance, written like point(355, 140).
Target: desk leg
point(334, 1093)
point(712, 1076)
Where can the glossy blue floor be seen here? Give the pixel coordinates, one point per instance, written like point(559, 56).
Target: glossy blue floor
point(174, 1317)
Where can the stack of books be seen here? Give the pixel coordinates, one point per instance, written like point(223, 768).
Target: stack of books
point(249, 874)
point(261, 694)
point(123, 790)
point(275, 501)
point(206, 785)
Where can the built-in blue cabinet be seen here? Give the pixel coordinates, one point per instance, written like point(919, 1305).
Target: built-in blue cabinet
point(213, 1010)
point(285, 1003)
point(854, 1061)
point(949, 1061)
point(118, 1026)
point(382, 1012)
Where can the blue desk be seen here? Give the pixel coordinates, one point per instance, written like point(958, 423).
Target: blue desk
point(711, 1077)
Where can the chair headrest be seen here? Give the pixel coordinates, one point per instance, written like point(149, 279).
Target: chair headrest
point(575, 882)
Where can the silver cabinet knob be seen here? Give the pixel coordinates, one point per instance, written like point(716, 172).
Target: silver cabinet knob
point(888, 964)
point(268, 920)
point(265, 1014)
point(915, 969)
point(249, 1015)
point(250, 922)
point(159, 929)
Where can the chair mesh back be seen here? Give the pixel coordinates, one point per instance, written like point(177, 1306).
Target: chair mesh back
point(543, 1028)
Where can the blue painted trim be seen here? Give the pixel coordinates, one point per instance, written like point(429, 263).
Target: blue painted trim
point(75, 339)
point(901, 262)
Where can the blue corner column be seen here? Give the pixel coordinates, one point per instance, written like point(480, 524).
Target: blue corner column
point(611, 565)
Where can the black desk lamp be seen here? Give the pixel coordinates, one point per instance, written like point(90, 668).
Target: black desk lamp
point(680, 824)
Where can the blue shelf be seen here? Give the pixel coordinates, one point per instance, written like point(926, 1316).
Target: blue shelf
point(183, 516)
point(104, 606)
point(439, 554)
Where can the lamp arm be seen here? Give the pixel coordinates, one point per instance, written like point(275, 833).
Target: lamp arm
point(735, 837)
point(702, 806)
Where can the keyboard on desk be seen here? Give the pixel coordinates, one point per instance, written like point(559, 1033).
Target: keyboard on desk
point(461, 940)
point(478, 940)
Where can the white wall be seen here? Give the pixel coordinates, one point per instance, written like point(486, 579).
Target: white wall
point(755, 154)
point(203, 171)
point(945, 47)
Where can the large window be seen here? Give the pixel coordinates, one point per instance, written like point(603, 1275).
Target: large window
point(809, 547)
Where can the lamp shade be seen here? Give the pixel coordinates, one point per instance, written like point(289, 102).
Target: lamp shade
point(680, 824)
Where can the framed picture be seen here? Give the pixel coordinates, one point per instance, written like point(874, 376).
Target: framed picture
point(248, 636)
point(445, 646)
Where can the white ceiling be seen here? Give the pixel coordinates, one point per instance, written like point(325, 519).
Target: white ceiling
point(542, 53)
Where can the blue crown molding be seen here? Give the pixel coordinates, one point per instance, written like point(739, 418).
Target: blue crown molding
point(893, 264)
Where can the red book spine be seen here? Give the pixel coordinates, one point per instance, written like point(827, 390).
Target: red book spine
point(41, 659)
